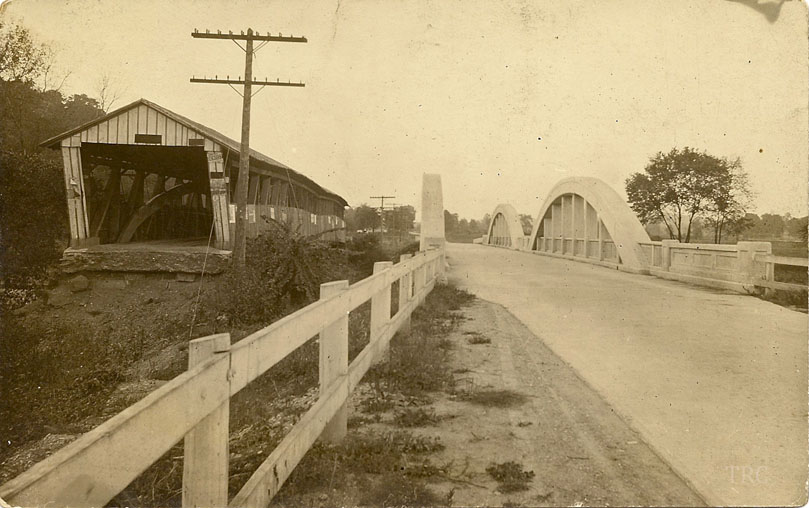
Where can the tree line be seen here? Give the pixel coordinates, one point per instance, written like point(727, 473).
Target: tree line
point(33, 212)
point(398, 219)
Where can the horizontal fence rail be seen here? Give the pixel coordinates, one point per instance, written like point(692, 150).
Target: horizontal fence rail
point(769, 261)
point(195, 405)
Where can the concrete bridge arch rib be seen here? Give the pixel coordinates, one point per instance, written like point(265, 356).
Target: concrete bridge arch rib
point(599, 208)
point(505, 229)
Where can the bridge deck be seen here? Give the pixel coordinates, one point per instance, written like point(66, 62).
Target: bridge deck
point(715, 382)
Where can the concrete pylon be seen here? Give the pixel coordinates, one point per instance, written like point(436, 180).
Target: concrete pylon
point(432, 212)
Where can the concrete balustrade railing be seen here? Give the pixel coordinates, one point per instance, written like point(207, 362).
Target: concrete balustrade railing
point(732, 267)
point(194, 406)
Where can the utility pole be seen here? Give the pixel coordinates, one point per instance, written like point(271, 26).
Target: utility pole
point(247, 95)
point(382, 207)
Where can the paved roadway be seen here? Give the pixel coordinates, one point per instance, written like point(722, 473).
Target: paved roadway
point(715, 382)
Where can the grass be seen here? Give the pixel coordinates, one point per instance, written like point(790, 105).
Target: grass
point(396, 489)
point(386, 468)
point(374, 467)
point(510, 476)
point(60, 374)
point(493, 398)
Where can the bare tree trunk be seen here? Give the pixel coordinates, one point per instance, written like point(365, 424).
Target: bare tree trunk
point(663, 218)
point(688, 232)
point(721, 223)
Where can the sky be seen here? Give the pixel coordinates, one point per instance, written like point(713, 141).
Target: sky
point(503, 99)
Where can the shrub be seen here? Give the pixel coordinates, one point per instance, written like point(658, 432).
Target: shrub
point(283, 272)
point(33, 228)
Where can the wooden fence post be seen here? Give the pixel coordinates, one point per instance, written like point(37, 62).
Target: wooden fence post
point(404, 293)
point(205, 465)
point(334, 362)
point(380, 310)
point(418, 285)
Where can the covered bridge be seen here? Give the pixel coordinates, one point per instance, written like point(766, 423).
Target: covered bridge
point(145, 179)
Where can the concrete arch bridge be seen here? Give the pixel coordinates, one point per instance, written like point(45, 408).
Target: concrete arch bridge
point(715, 381)
point(581, 217)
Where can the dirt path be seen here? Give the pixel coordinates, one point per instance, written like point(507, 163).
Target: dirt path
point(581, 452)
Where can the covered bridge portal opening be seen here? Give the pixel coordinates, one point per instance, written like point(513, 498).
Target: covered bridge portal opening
point(145, 179)
point(142, 193)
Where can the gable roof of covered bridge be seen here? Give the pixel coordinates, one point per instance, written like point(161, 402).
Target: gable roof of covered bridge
point(620, 221)
point(258, 160)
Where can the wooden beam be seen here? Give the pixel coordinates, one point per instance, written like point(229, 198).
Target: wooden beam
point(151, 207)
point(135, 198)
point(380, 304)
point(786, 286)
point(114, 221)
point(266, 189)
point(252, 190)
point(101, 463)
point(110, 189)
point(205, 464)
point(333, 362)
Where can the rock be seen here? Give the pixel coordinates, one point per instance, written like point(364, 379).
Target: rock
point(79, 283)
point(28, 308)
point(186, 277)
point(59, 297)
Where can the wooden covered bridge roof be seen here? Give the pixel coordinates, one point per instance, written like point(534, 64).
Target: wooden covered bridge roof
point(176, 131)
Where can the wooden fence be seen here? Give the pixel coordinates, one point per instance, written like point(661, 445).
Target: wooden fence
point(769, 261)
point(194, 406)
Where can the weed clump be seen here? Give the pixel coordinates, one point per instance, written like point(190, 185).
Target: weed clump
point(399, 457)
point(416, 417)
point(510, 476)
point(385, 452)
point(477, 338)
point(376, 405)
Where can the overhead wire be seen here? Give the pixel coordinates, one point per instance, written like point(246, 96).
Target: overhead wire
point(205, 259)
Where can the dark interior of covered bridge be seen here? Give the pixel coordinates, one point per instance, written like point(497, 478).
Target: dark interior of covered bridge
point(140, 193)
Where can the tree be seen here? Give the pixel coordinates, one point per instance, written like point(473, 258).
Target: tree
point(30, 109)
point(797, 227)
point(400, 219)
point(527, 223)
point(363, 218)
point(725, 212)
point(450, 222)
point(21, 59)
point(108, 92)
point(772, 225)
point(485, 223)
point(676, 187)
